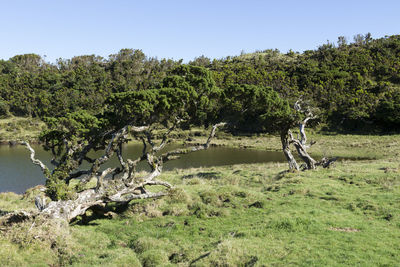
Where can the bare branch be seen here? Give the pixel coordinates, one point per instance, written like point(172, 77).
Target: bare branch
point(212, 133)
point(149, 138)
point(165, 135)
point(109, 150)
point(301, 150)
point(170, 155)
point(144, 145)
point(138, 129)
point(301, 147)
point(119, 155)
point(117, 139)
point(297, 105)
point(102, 176)
point(302, 126)
point(126, 198)
point(299, 143)
point(35, 161)
point(153, 182)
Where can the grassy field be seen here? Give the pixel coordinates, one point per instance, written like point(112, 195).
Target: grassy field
point(241, 215)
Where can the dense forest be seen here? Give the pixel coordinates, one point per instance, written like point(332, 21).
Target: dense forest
point(355, 85)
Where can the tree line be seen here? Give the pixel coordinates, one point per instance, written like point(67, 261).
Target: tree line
point(355, 85)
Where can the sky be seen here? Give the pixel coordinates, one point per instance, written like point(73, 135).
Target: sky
point(186, 29)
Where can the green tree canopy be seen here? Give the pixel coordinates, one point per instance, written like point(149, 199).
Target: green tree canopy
point(252, 108)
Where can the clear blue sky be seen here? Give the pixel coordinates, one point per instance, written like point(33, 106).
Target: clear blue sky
point(186, 28)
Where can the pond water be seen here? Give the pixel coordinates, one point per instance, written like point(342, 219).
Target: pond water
point(17, 173)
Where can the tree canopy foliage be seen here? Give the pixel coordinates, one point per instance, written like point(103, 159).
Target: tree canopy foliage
point(352, 84)
point(355, 85)
point(250, 108)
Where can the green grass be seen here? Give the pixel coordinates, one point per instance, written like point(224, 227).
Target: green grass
point(19, 128)
point(241, 215)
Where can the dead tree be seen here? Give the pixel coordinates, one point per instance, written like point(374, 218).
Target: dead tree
point(119, 184)
point(300, 143)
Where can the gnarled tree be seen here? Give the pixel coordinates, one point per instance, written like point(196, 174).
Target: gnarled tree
point(250, 108)
point(149, 116)
point(304, 113)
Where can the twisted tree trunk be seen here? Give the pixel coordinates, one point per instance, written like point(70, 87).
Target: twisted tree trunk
point(125, 187)
point(302, 151)
point(286, 151)
point(300, 144)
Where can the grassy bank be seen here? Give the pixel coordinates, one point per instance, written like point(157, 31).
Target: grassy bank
point(241, 215)
point(19, 128)
point(332, 145)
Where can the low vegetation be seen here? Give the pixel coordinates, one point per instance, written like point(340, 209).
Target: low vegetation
point(241, 215)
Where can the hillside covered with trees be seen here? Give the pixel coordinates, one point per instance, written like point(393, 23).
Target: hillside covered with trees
point(356, 86)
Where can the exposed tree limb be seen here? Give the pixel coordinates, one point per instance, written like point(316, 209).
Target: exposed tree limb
point(165, 136)
point(122, 190)
point(170, 155)
point(212, 133)
point(127, 187)
point(35, 161)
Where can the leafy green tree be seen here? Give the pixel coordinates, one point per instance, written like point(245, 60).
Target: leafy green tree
point(249, 108)
point(127, 69)
point(203, 92)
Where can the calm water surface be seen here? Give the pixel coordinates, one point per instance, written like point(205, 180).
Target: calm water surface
point(17, 173)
